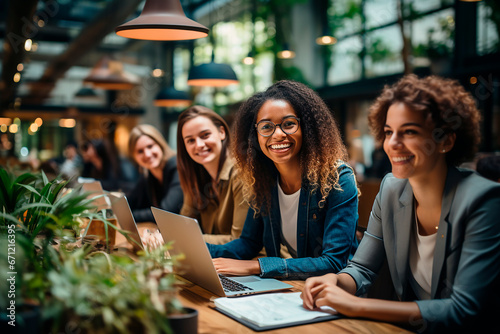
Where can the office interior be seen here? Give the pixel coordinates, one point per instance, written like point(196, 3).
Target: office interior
point(346, 50)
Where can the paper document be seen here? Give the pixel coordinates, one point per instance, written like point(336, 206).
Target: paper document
point(271, 309)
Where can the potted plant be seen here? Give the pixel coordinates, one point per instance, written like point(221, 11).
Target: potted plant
point(67, 283)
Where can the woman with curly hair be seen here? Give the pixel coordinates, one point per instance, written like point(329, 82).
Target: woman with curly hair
point(434, 224)
point(213, 192)
point(302, 195)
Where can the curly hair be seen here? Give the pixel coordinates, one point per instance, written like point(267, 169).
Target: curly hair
point(193, 176)
point(322, 147)
point(445, 102)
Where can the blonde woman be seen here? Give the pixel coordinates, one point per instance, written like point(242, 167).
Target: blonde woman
point(159, 184)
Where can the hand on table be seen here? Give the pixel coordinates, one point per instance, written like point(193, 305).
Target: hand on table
point(226, 266)
point(152, 240)
point(324, 291)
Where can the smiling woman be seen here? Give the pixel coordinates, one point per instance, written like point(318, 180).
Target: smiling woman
point(434, 224)
point(213, 192)
point(303, 196)
point(158, 184)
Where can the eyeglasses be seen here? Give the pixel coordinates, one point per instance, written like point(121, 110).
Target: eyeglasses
point(288, 125)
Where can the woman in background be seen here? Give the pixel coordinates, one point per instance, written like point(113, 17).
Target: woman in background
point(101, 163)
point(212, 190)
point(434, 224)
point(302, 194)
point(158, 184)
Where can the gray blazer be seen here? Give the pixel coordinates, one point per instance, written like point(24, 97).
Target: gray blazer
point(465, 273)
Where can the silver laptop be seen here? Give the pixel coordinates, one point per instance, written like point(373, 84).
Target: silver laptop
point(121, 209)
point(197, 265)
point(94, 188)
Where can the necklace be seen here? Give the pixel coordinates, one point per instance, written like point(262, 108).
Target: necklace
point(416, 217)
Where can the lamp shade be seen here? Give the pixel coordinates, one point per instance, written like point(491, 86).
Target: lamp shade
point(212, 74)
point(109, 74)
point(170, 97)
point(162, 20)
point(86, 92)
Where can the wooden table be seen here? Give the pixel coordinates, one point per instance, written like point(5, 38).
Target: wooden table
point(211, 321)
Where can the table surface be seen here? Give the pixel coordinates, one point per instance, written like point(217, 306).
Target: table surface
point(211, 321)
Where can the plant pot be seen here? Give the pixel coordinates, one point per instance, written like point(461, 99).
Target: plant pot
point(184, 323)
point(27, 320)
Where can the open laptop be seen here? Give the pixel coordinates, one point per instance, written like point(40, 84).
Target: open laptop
point(121, 209)
point(197, 265)
point(94, 188)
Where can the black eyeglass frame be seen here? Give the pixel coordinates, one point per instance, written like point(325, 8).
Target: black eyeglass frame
point(276, 125)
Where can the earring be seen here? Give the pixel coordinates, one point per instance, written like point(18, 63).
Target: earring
point(444, 151)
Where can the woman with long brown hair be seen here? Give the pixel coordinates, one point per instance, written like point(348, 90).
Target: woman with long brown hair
point(212, 190)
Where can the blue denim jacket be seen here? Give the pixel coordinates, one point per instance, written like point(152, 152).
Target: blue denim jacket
point(326, 236)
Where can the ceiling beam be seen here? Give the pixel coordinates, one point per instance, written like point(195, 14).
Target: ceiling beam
point(19, 27)
point(89, 38)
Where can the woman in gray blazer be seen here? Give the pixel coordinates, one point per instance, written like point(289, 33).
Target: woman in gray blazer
point(435, 225)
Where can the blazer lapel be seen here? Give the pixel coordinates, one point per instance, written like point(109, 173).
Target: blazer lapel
point(403, 219)
point(442, 233)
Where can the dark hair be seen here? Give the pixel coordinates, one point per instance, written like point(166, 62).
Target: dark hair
point(195, 180)
point(105, 152)
point(489, 167)
point(322, 147)
point(443, 101)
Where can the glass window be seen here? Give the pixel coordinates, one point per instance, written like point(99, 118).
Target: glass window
point(432, 35)
point(487, 32)
point(383, 52)
point(346, 64)
point(427, 5)
point(345, 17)
point(380, 12)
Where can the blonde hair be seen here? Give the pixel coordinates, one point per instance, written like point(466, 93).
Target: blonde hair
point(154, 134)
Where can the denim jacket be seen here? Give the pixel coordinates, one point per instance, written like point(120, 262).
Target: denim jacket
point(326, 234)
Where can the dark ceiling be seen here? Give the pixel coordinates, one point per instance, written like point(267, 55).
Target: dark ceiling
point(70, 36)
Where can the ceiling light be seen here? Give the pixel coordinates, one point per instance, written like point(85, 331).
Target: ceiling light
point(212, 74)
point(286, 53)
point(162, 20)
point(170, 97)
point(326, 40)
point(109, 74)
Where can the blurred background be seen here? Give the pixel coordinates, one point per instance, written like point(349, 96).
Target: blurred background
point(347, 50)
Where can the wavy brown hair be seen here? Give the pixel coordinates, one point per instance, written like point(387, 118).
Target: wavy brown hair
point(445, 103)
point(322, 147)
point(196, 182)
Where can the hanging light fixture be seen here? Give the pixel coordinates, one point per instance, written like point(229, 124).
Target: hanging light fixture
point(162, 20)
point(171, 97)
point(326, 40)
point(212, 74)
point(286, 53)
point(109, 74)
point(85, 92)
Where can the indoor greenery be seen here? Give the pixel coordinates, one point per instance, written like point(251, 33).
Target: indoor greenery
point(75, 286)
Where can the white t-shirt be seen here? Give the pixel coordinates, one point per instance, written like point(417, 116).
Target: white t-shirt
point(289, 208)
point(421, 260)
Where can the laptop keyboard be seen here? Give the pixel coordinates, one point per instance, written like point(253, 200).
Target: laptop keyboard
point(230, 285)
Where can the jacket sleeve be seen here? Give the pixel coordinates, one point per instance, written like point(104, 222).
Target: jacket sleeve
point(370, 255)
point(137, 198)
point(247, 246)
point(334, 243)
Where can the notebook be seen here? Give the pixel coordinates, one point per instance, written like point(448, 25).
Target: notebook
point(121, 209)
point(197, 265)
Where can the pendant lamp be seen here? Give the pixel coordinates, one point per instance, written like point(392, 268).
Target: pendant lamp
point(171, 97)
point(162, 20)
point(286, 53)
point(212, 74)
point(86, 92)
point(109, 74)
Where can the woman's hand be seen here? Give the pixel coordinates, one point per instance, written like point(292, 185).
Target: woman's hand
point(226, 266)
point(324, 291)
